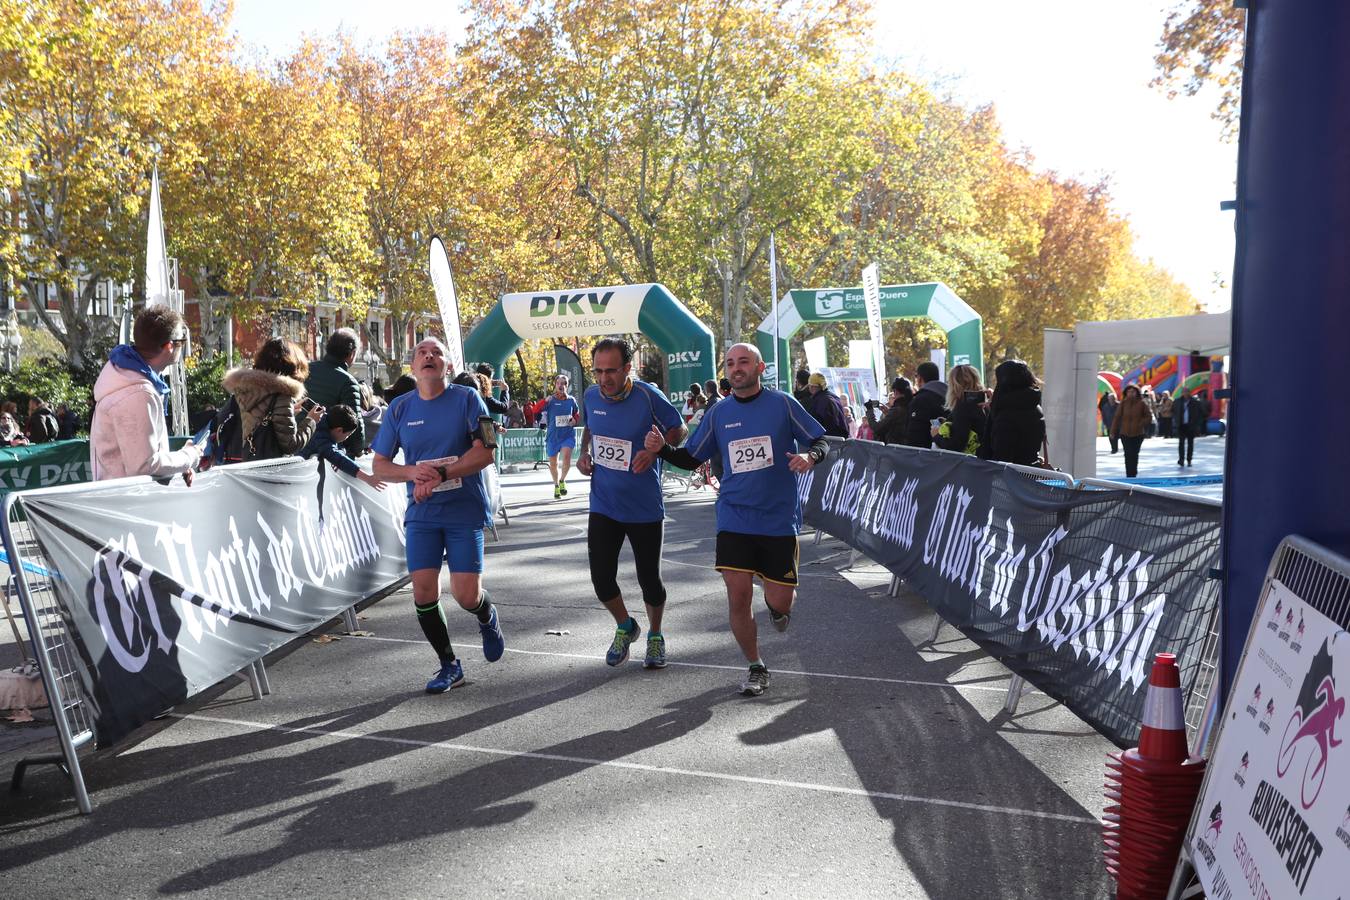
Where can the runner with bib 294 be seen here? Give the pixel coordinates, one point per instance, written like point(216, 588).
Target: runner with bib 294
point(756, 432)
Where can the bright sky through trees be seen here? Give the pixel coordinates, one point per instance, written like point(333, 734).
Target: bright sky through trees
point(1069, 80)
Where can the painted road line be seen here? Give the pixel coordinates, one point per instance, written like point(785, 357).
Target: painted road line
point(955, 686)
point(649, 769)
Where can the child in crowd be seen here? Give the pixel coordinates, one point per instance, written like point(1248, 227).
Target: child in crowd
point(333, 428)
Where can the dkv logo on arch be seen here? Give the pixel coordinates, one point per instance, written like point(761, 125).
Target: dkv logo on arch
point(570, 304)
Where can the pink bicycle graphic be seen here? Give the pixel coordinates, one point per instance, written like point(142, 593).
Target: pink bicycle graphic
point(1320, 725)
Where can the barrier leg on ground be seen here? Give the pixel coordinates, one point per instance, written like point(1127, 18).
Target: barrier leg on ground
point(894, 589)
point(9, 615)
point(349, 619)
point(1017, 689)
point(937, 628)
point(250, 674)
point(263, 682)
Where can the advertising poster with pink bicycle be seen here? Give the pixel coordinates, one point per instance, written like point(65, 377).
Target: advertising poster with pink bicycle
point(1274, 817)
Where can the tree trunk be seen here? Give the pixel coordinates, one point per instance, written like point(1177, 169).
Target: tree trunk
point(524, 377)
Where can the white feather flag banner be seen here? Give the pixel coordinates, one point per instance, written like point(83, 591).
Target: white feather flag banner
point(444, 284)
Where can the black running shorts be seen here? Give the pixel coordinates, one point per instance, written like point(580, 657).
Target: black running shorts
point(771, 557)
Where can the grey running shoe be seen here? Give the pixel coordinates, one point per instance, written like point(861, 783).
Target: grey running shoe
point(780, 620)
point(756, 682)
point(618, 651)
point(656, 652)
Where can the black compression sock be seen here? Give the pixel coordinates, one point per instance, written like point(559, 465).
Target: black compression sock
point(432, 619)
point(484, 608)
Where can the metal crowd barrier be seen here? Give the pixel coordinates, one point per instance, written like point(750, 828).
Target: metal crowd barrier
point(59, 662)
point(53, 648)
point(1200, 702)
point(521, 446)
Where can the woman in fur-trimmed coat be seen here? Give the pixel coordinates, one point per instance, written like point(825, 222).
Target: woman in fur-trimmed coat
point(274, 388)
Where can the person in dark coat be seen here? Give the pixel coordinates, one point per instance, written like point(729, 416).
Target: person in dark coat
point(1189, 416)
point(1016, 421)
point(801, 391)
point(1130, 425)
point(929, 403)
point(67, 423)
point(826, 407)
point(890, 421)
point(329, 383)
point(1107, 406)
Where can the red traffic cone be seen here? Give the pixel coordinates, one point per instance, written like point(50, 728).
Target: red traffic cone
point(1163, 736)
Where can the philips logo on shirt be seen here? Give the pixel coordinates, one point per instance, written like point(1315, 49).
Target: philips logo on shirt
point(732, 425)
point(599, 412)
point(418, 422)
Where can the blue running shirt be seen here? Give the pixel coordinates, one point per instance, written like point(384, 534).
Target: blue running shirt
point(754, 437)
point(558, 414)
point(439, 431)
point(618, 428)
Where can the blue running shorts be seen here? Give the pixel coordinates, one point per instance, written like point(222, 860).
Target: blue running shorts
point(429, 545)
point(558, 440)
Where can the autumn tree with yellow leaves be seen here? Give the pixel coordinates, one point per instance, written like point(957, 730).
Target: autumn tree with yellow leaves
point(563, 144)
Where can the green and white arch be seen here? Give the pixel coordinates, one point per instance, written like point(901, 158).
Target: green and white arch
point(649, 309)
point(932, 300)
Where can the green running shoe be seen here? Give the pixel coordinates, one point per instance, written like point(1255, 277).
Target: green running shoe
point(656, 652)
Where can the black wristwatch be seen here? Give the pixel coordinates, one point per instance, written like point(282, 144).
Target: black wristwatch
point(444, 475)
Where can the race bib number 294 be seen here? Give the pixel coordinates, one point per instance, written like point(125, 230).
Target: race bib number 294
point(750, 454)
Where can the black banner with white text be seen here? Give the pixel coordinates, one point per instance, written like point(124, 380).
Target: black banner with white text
point(167, 589)
point(1075, 590)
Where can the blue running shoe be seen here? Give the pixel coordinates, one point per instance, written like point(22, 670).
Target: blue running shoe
point(450, 676)
point(618, 651)
point(494, 642)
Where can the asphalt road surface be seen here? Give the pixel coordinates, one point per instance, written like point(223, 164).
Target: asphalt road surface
point(880, 762)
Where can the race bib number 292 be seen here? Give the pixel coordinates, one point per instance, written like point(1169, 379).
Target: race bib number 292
point(750, 454)
point(611, 453)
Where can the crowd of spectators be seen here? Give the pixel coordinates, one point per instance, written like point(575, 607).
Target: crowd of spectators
point(40, 425)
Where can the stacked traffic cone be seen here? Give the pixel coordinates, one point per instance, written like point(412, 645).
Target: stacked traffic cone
point(1150, 792)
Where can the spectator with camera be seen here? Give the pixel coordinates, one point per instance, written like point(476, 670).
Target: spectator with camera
point(10, 435)
point(275, 417)
point(128, 434)
point(889, 420)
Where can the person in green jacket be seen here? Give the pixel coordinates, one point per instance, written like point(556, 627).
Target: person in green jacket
point(329, 383)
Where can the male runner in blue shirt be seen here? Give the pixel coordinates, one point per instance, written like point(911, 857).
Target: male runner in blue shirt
point(758, 514)
point(447, 439)
point(626, 496)
point(560, 412)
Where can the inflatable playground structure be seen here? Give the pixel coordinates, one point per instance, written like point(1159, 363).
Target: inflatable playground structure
point(1203, 376)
